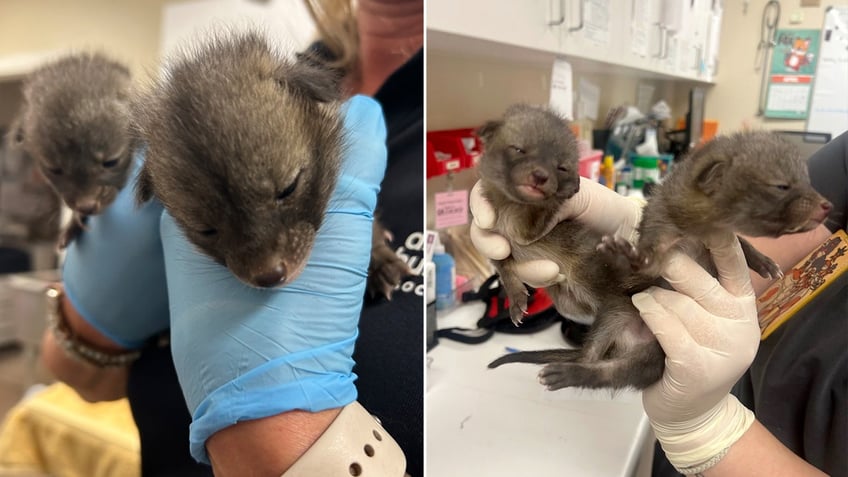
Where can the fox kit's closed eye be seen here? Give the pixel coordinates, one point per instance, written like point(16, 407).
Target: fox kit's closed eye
point(75, 123)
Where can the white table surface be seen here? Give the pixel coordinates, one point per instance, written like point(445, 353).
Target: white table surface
point(502, 422)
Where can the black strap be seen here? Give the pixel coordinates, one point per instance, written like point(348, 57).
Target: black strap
point(496, 317)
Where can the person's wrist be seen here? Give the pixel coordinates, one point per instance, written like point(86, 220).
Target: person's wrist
point(77, 338)
point(272, 444)
point(81, 327)
point(353, 444)
point(698, 443)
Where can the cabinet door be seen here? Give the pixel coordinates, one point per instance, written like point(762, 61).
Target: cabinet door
point(673, 20)
point(712, 44)
point(531, 24)
point(592, 30)
point(693, 39)
point(643, 36)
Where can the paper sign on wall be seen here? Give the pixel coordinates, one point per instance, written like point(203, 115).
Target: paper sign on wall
point(590, 95)
point(562, 89)
point(644, 97)
point(451, 208)
point(596, 21)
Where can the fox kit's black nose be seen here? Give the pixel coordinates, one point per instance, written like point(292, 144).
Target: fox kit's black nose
point(271, 278)
point(539, 177)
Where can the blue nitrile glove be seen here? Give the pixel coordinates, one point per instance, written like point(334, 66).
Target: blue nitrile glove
point(244, 353)
point(114, 273)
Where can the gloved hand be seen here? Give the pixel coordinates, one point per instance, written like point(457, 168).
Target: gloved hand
point(114, 273)
point(244, 353)
point(596, 206)
point(710, 334)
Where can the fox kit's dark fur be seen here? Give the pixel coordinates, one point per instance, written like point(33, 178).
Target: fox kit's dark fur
point(724, 181)
point(243, 149)
point(529, 169)
point(75, 123)
point(751, 183)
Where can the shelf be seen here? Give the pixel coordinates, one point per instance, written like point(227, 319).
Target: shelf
point(452, 43)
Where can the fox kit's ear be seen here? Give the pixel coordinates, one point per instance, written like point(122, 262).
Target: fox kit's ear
point(308, 78)
point(488, 130)
point(711, 173)
point(143, 186)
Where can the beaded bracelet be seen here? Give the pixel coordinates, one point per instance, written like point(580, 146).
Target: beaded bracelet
point(698, 469)
point(74, 345)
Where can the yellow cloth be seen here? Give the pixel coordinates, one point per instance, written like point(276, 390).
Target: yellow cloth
point(58, 433)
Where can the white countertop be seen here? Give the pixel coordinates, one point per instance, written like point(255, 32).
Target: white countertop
point(502, 422)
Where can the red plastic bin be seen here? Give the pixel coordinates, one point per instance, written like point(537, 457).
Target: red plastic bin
point(590, 164)
point(452, 150)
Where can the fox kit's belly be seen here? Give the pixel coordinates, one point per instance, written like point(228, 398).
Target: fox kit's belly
point(573, 297)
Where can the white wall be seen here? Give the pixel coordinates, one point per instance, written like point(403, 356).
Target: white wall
point(132, 31)
point(127, 29)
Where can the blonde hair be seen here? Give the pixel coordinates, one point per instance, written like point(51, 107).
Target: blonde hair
point(336, 23)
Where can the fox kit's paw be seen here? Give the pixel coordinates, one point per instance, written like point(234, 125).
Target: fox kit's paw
point(518, 307)
point(617, 247)
point(385, 272)
point(760, 263)
point(386, 269)
point(73, 230)
point(766, 268)
point(562, 375)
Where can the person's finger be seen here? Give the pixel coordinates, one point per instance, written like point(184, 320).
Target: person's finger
point(730, 263)
point(539, 273)
point(603, 210)
point(664, 324)
point(490, 244)
point(483, 212)
point(689, 278)
point(699, 324)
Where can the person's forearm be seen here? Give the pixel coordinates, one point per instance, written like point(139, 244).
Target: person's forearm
point(786, 251)
point(91, 382)
point(266, 447)
point(759, 453)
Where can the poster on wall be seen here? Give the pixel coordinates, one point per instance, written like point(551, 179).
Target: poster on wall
point(793, 67)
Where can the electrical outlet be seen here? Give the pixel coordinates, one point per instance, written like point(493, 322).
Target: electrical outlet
point(796, 18)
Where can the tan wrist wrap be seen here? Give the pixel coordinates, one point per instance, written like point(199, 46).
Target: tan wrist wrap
point(695, 447)
point(355, 444)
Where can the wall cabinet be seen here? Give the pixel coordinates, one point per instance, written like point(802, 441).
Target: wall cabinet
point(651, 38)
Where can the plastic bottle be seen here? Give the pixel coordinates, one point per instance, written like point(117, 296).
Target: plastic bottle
point(645, 169)
point(445, 278)
point(608, 172)
point(430, 283)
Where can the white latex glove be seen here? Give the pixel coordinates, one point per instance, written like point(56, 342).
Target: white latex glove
point(598, 207)
point(709, 331)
